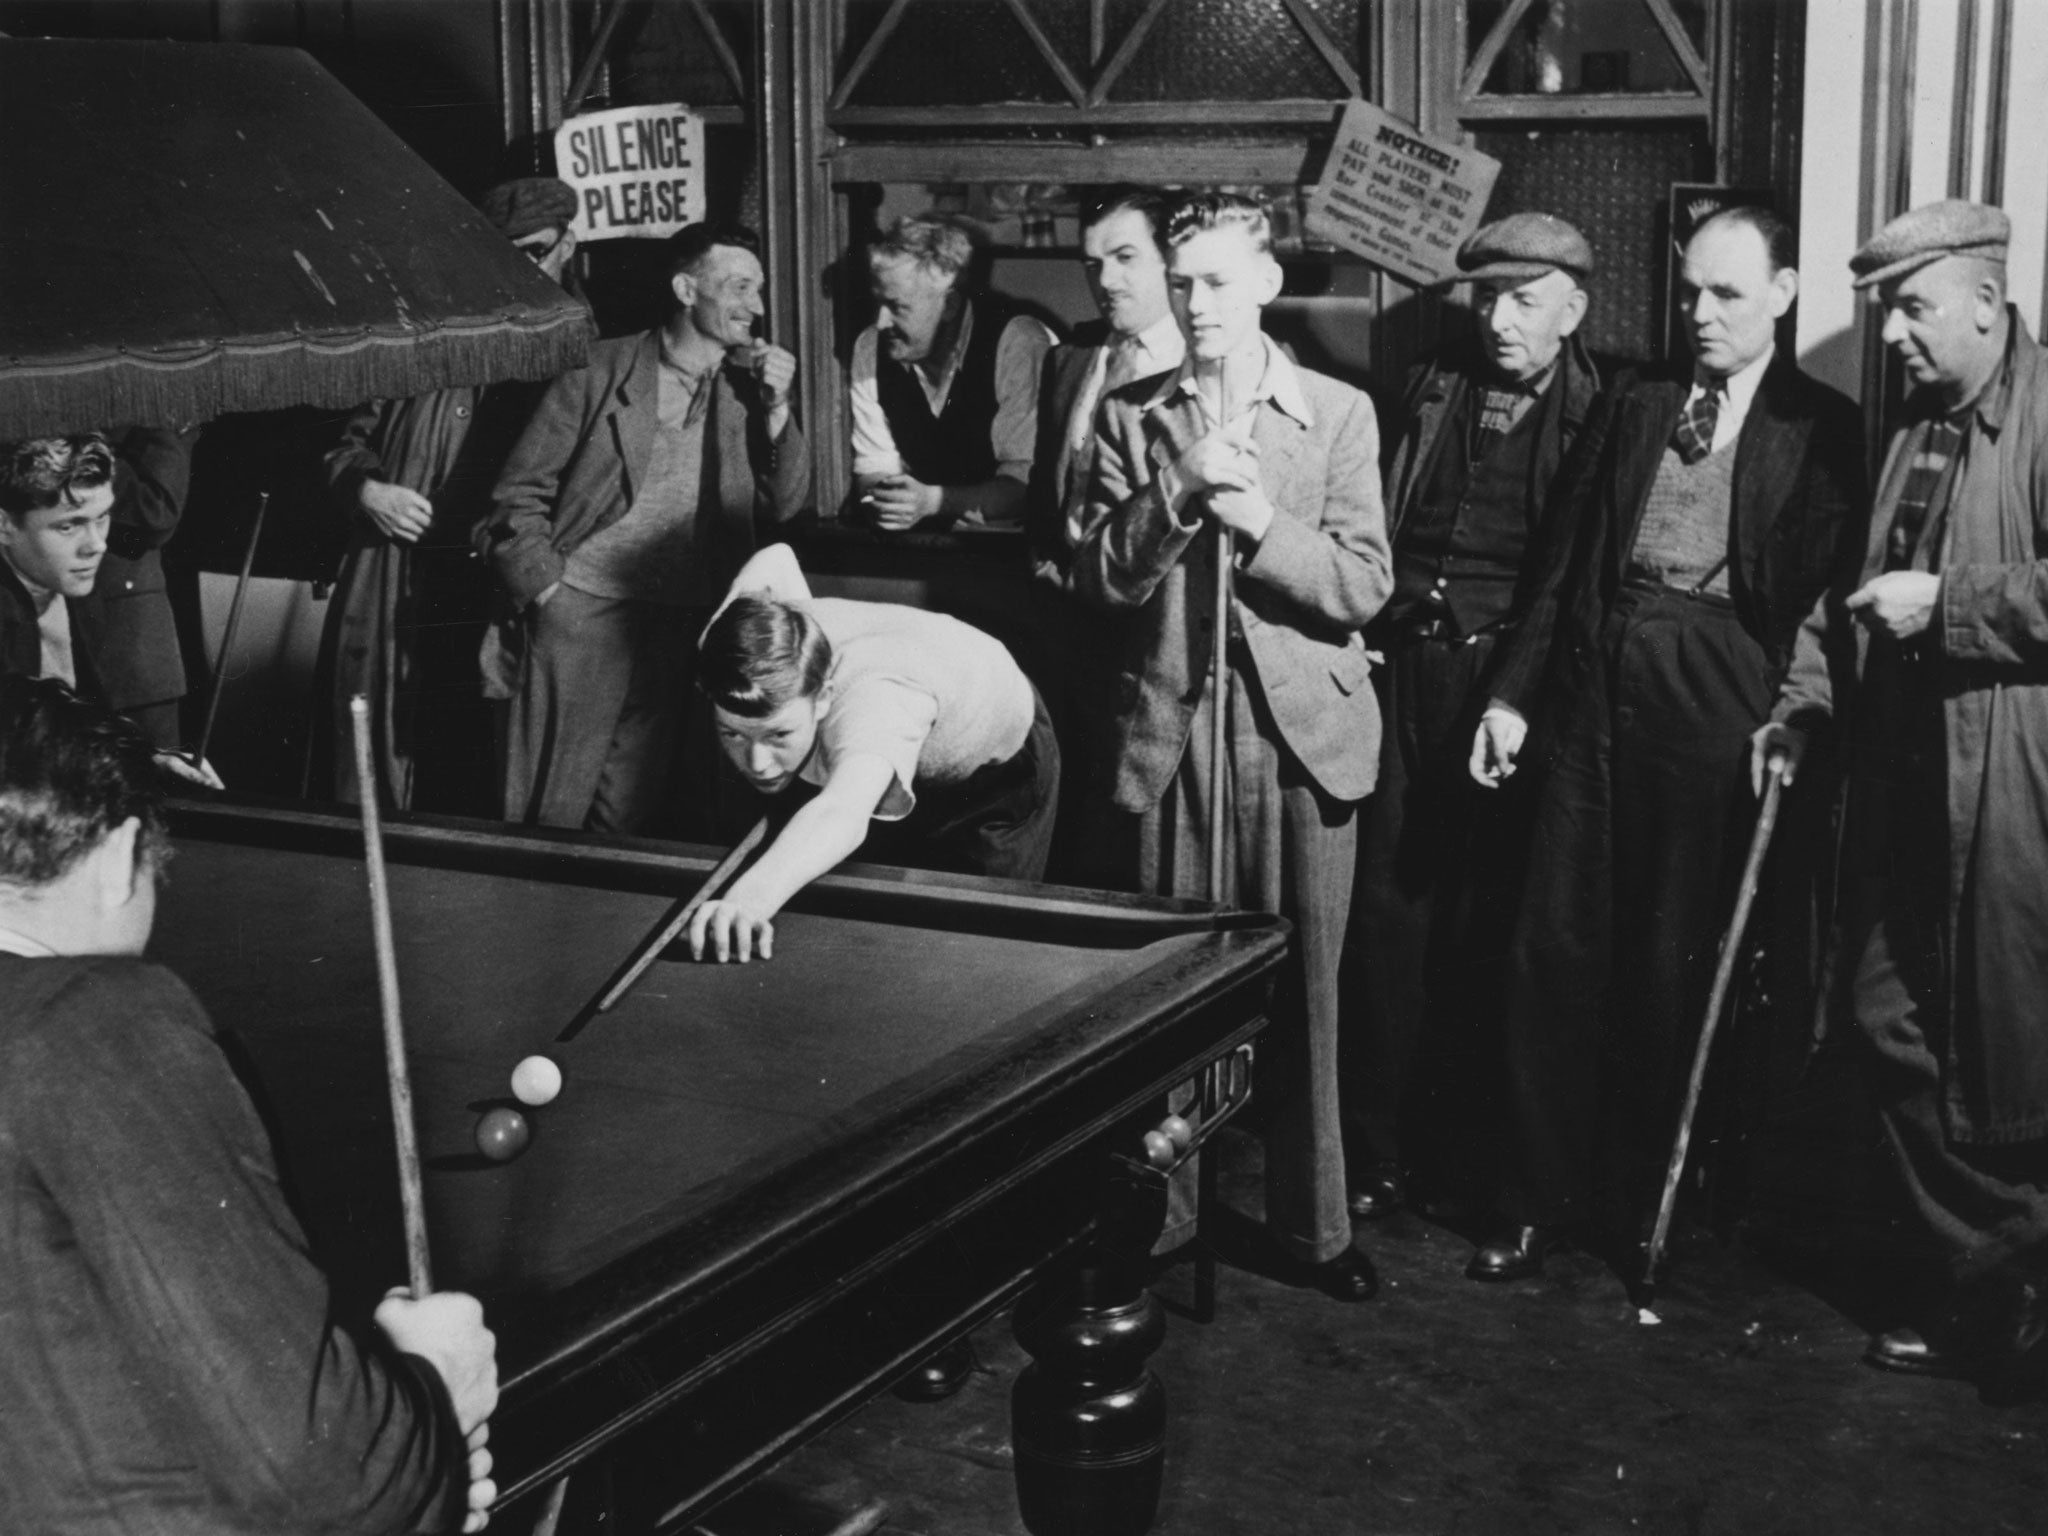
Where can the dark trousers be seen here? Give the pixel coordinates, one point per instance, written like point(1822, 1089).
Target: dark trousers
point(1439, 866)
point(607, 732)
point(1640, 831)
point(1977, 1205)
point(998, 821)
point(1290, 849)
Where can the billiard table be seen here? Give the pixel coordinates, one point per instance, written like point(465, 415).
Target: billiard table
point(765, 1190)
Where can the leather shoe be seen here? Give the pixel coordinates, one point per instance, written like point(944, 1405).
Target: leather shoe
point(1349, 1277)
point(939, 1375)
point(1905, 1351)
point(1513, 1253)
point(1379, 1192)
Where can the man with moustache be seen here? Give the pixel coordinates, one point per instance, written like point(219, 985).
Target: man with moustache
point(944, 389)
point(1700, 518)
point(1486, 428)
point(1126, 272)
point(1240, 454)
point(1930, 665)
point(636, 493)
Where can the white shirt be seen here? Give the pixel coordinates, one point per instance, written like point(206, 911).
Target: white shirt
point(12, 943)
point(1020, 355)
point(1741, 392)
point(1122, 360)
point(53, 623)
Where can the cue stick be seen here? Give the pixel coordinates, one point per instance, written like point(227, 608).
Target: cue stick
point(227, 638)
point(395, 1072)
point(1219, 672)
point(680, 916)
point(1724, 974)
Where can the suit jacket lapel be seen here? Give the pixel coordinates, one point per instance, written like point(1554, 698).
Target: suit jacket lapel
point(1766, 467)
point(634, 413)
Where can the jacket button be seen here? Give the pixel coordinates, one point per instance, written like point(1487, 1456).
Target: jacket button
point(462, 410)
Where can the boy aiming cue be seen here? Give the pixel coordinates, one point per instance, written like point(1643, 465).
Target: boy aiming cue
point(917, 739)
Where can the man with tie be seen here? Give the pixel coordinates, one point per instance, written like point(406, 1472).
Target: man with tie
point(1138, 339)
point(1700, 518)
point(1485, 428)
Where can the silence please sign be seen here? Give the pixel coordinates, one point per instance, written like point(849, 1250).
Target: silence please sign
point(638, 172)
point(1399, 198)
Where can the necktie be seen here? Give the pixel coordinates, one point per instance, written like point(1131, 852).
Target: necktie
point(1694, 438)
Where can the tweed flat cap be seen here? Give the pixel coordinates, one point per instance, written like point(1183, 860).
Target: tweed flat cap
point(1522, 246)
point(1928, 233)
point(529, 204)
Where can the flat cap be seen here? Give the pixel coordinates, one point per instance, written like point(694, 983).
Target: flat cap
point(1928, 233)
point(528, 204)
point(1522, 246)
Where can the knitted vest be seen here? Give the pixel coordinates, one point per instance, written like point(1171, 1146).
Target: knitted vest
point(1471, 526)
point(951, 448)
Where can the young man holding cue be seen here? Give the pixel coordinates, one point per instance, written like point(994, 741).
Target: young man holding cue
point(168, 1361)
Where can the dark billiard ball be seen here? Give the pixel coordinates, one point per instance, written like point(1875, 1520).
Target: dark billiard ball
point(502, 1134)
point(1177, 1131)
point(1159, 1149)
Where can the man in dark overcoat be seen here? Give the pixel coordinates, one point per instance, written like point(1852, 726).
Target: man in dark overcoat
point(1929, 661)
point(1485, 428)
point(1697, 525)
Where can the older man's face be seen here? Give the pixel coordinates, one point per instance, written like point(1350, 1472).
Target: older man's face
point(912, 305)
point(1730, 298)
point(1524, 324)
point(723, 294)
point(1941, 321)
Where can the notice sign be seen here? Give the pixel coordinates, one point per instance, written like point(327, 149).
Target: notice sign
point(1402, 200)
point(636, 171)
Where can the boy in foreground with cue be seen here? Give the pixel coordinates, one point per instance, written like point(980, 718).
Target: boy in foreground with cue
point(167, 1362)
point(896, 716)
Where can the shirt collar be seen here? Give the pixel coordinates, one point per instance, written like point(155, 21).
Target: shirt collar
point(40, 597)
point(12, 943)
point(1742, 385)
point(1991, 399)
point(1279, 382)
point(1160, 343)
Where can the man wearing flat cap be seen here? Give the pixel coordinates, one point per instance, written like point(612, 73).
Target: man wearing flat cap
point(1928, 663)
point(1698, 521)
point(1483, 430)
point(410, 605)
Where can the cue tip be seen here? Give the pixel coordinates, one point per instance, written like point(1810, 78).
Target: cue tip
point(359, 706)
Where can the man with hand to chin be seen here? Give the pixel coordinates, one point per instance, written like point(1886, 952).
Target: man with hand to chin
point(1240, 454)
point(1929, 665)
point(641, 486)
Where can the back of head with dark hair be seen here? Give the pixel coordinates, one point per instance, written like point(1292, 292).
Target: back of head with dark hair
point(1152, 202)
point(70, 773)
point(1218, 210)
point(759, 654)
point(689, 245)
point(1781, 241)
point(39, 472)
